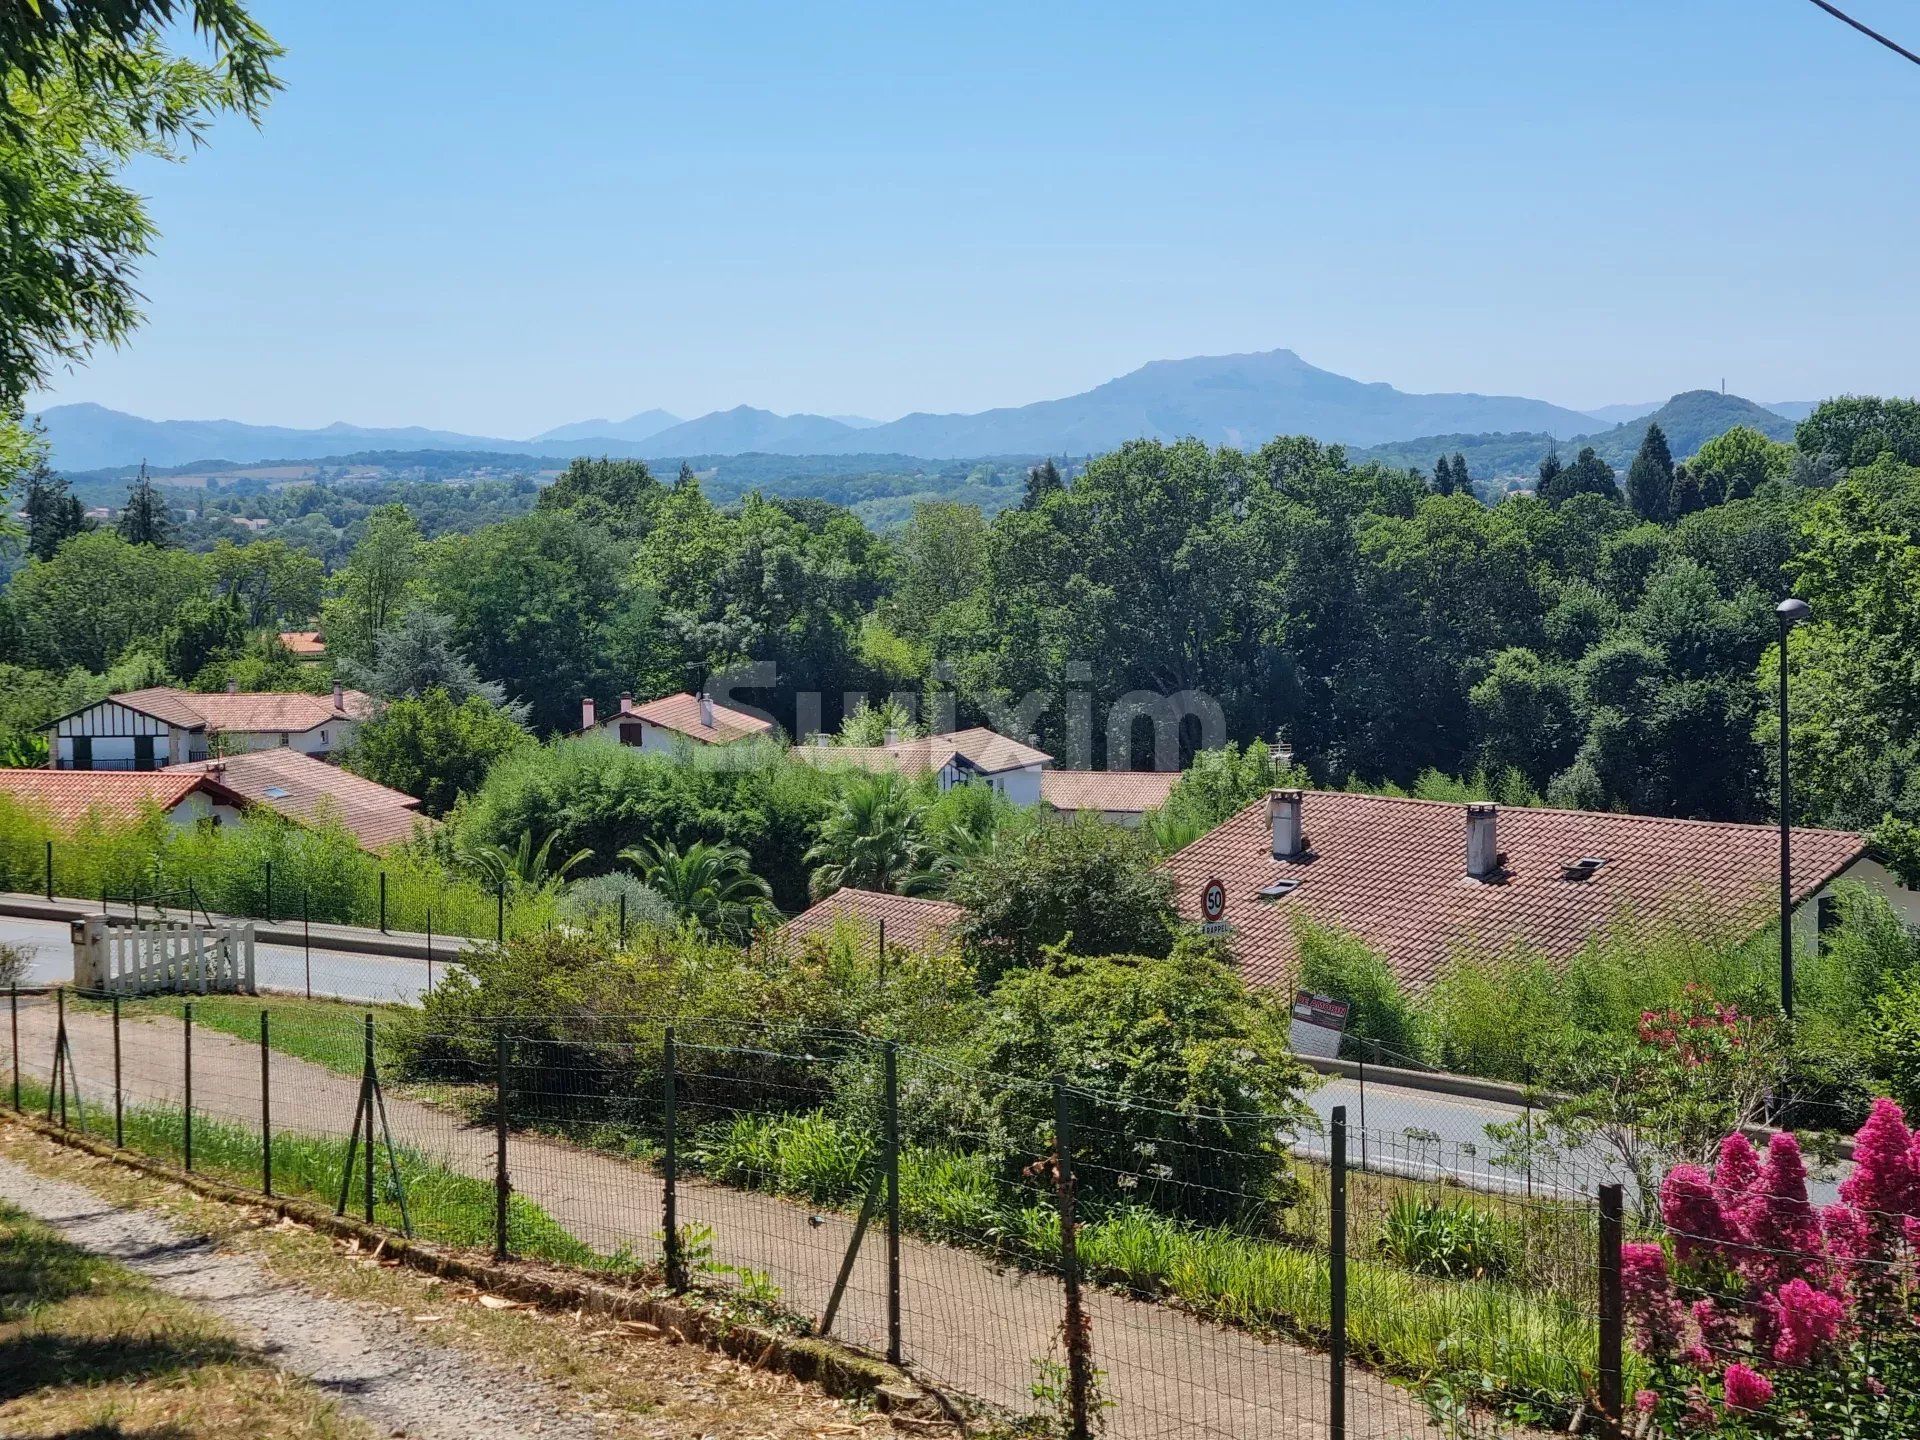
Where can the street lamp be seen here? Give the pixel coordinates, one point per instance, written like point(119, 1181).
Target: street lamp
point(1790, 613)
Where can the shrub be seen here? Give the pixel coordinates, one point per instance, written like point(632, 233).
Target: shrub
point(16, 962)
point(1087, 886)
point(1382, 1023)
point(1502, 1015)
point(595, 902)
point(1450, 1239)
point(1184, 1095)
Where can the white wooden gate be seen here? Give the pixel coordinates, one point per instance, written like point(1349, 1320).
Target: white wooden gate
point(170, 957)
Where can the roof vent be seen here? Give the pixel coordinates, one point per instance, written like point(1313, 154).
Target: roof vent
point(1583, 868)
point(276, 792)
point(706, 709)
point(1279, 888)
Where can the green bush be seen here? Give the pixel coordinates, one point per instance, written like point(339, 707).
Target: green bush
point(1502, 1015)
point(1446, 1238)
point(1086, 886)
point(1183, 1092)
point(1382, 1024)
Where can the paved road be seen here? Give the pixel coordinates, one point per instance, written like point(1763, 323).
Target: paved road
point(967, 1325)
point(342, 974)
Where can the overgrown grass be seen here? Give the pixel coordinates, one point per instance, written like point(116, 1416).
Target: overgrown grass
point(1537, 1342)
point(442, 1205)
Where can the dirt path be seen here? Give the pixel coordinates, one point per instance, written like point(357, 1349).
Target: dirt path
point(966, 1324)
point(377, 1367)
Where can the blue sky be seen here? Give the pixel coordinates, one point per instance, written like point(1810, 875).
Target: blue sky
point(498, 217)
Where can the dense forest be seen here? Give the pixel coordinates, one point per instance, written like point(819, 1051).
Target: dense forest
point(1605, 642)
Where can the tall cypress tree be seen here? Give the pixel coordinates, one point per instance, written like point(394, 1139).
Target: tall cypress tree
point(1042, 480)
point(1550, 468)
point(54, 516)
point(1442, 476)
point(1462, 482)
point(1687, 496)
point(1650, 478)
point(146, 520)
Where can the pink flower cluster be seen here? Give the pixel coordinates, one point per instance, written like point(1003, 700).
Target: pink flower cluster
point(1773, 1274)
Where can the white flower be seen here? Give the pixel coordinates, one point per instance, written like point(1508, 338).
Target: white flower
point(1160, 1172)
point(1129, 1182)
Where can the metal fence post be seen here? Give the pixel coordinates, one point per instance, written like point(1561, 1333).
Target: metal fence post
point(891, 1071)
point(1074, 1330)
point(1337, 1278)
point(269, 891)
point(1612, 1209)
point(49, 869)
point(383, 902)
point(60, 1049)
point(367, 1091)
point(500, 912)
point(266, 1113)
point(500, 1144)
point(429, 950)
point(187, 1071)
point(623, 918)
point(880, 953)
point(669, 1166)
point(13, 1006)
point(119, 1105)
point(306, 936)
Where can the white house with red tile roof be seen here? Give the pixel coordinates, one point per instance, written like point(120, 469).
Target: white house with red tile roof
point(908, 921)
point(160, 725)
point(955, 757)
point(658, 725)
point(313, 792)
point(70, 798)
point(1417, 880)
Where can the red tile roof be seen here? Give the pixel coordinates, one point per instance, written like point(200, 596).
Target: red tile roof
point(1393, 872)
point(290, 712)
point(1125, 792)
point(992, 752)
point(312, 791)
point(69, 796)
point(681, 714)
point(910, 922)
point(303, 642)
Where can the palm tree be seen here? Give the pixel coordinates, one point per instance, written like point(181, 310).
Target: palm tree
point(712, 885)
point(873, 839)
point(525, 867)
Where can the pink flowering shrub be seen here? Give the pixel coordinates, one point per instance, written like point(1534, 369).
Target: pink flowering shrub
point(1805, 1321)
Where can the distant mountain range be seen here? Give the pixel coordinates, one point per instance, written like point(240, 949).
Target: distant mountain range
point(1241, 400)
point(1688, 420)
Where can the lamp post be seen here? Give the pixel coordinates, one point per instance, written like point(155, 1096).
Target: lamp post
point(1790, 613)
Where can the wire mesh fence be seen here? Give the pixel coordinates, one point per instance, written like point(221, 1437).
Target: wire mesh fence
point(1040, 1250)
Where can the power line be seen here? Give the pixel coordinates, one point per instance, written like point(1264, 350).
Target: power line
point(1871, 34)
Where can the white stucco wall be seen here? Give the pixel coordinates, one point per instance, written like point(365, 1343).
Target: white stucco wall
point(1875, 876)
point(1021, 786)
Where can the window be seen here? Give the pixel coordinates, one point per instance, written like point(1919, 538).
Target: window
point(631, 734)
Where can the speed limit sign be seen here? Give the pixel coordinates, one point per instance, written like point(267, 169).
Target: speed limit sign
point(1213, 905)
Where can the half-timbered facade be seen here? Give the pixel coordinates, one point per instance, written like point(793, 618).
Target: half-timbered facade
point(160, 726)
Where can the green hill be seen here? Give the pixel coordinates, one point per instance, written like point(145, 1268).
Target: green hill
point(1690, 419)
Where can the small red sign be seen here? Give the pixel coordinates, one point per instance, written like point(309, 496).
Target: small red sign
point(1213, 901)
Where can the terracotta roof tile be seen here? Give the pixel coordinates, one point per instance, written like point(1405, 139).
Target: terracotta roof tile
point(911, 922)
point(1130, 792)
point(907, 757)
point(303, 642)
point(290, 712)
point(312, 791)
point(69, 796)
point(1393, 872)
point(992, 752)
point(681, 714)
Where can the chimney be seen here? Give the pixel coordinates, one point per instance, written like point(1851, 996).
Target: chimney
point(1283, 813)
point(706, 709)
point(893, 736)
point(1483, 847)
point(587, 718)
point(233, 687)
point(339, 697)
point(626, 701)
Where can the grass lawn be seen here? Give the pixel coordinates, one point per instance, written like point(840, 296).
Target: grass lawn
point(88, 1348)
point(326, 1032)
